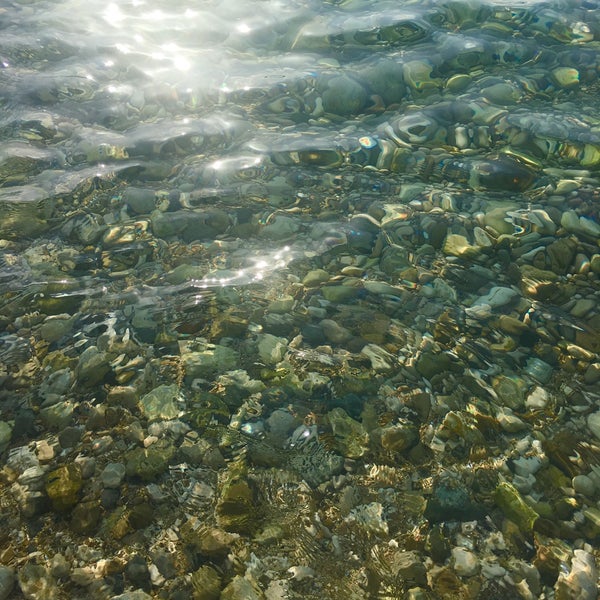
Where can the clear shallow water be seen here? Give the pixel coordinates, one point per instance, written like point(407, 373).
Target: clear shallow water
point(360, 205)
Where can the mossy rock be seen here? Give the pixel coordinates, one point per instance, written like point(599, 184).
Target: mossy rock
point(514, 507)
point(149, 463)
point(63, 486)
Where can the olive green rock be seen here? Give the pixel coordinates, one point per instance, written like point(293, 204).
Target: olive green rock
point(206, 584)
point(317, 276)
point(86, 516)
point(514, 507)
point(92, 367)
point(241, 588)
point(160, 403)
point(235, 507)
point(63, 486)
point(148, 463)
point(351, 438)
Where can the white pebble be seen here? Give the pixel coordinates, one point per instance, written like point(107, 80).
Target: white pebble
point(465, 562)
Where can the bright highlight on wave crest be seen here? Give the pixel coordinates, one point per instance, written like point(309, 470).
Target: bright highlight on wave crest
point(255, 273)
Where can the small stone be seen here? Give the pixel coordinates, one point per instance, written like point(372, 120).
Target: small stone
point(37, 583)
point(25, 424)
point(85, 517)
point(496, 218)
point(581, 264)
point(510, 390)
point(282, 305)
point(140, 200)
point(137, 573)
point(45, 452)
point(5, 435)
point(241, 588)
point(458, 245)
point(514, 507)
point(394, 259)
point(501, 93)
point(497, 297)
point(592, 514)
point(59, 415)
point(281, 422)
point(206, 584)
point(439, 546)
point(583, 484)
point(583, 306)
point(344, 96)
point(204, 363)
point(271, 349)
point(165, 563)
point(561, 254)
point(212, 542)
point(566, 186)
point(280, 228)
point(87, 465)
point(141, 515)
point(351, 438)
point(334, 332)
point(465, 563)
point(55, 327)
point(148, 463)
point(59, 566)
point(92, 367)
point(7, 582)
point(124, 396)
point(409, 566)
point(538, 398)
point(593, 422)
point(235, 506)
point(430, 364)
point(399, 437)
point(527, 465)
point(509, 422)
point(352, 271)
point(63, 486)
point(156, 493)
point(161, 403)
point(566, 77)
point(337, 294)
point(370, 518)
point(315, 277)
point(581, 581)
point(83, 576)
point(573, 223)
point(238, 383)
point(540, 370)
point(109, 498)
point(381, 360)
point(112, 475)
point(381, 288)
point(68, 437)
point(592, 374)
point(491, 570)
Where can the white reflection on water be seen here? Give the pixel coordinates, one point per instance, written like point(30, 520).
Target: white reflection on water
point(113, 15)
point(258, 269)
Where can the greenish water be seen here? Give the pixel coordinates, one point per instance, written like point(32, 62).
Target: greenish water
point(321, 279)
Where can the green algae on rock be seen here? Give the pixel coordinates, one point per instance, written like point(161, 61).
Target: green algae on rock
point(63, 486)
